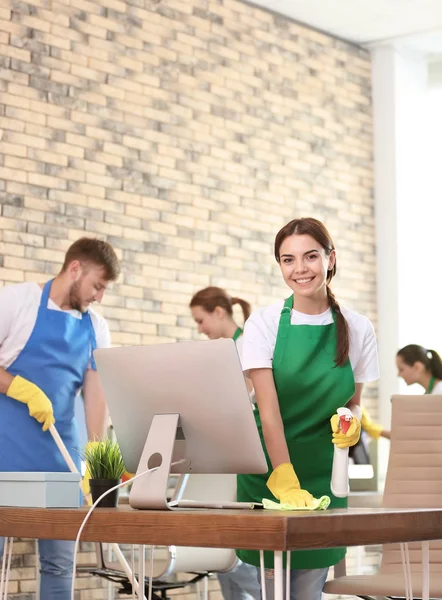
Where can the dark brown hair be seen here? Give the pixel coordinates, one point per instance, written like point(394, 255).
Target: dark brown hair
point(318, 231)
point(431, 360)
point(211, 297)
point(96, 252)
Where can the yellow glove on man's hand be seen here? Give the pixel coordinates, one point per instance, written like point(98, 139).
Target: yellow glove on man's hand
point(39, 405)
point(284, 485)
point(345, 440)
point(374, 430)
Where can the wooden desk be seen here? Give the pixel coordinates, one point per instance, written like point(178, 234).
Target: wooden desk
point(254, 529)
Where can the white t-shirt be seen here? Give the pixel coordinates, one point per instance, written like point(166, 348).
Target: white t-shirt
point(261, 328)
point(239, 342)
point(437, 388)
point(18, 313)
point(239, 347)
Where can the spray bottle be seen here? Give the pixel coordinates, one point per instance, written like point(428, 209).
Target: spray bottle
point(339, 479)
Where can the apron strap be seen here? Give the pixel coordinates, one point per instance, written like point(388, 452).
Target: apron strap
point(93, 339)
point(45, 296)
point(431, 385)
point(284, 319)
point(237, 334)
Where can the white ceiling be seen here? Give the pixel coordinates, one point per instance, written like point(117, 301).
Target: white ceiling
point(369, 22)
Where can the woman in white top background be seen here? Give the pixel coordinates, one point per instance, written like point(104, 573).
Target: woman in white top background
point(212, 310)
point(306, 356)
point(416, 364)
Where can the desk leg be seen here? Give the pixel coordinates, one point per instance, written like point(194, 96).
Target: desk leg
point(278, 575)
point(37, 571)
point(407, 571)
point(6, 567)
point(141, 570)
point(287, 576)
point(130, 572)
point(425, 570)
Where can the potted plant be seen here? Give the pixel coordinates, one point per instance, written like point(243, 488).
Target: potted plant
point(105, 467)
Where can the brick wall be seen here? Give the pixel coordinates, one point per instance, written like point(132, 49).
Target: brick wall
point(185, 133)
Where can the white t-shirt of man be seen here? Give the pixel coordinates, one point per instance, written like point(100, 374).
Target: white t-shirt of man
point(261, 329)
point(18, 313)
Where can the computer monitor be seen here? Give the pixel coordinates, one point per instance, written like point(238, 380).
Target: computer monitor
point(189, 400)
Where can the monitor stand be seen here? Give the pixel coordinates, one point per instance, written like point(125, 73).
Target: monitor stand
point(150, 491)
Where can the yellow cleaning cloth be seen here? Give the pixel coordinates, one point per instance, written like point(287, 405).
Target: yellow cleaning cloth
point(318, 504)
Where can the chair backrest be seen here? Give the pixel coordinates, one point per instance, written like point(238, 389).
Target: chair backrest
point(414, 475)
point(206, 488)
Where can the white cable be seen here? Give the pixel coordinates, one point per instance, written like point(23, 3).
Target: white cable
point(90, 511)
point(85, 520)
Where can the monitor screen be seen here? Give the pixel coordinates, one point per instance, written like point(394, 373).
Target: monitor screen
point(202, 381)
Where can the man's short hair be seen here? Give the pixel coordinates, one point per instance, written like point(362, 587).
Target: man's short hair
point(97, 252)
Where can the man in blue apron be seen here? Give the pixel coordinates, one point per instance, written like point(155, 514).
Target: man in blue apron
point(47, 336)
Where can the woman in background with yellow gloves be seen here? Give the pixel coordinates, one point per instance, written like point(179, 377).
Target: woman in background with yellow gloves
point(416, 364)
point(306, 357)
point(212, 310)
point(374, 430)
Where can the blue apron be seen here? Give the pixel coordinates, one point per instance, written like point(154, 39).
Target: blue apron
point(55, 358)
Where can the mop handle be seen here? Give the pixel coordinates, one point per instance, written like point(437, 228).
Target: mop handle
point(64, 451)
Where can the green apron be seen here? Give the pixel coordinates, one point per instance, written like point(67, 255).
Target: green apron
point(310, 388)
point(237, 334)
point(431, 385)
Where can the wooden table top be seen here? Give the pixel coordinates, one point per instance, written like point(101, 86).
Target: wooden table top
point(253, 529)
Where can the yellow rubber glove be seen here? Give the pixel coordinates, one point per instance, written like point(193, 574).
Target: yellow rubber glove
point(374, 430)
point(39, 405)
point(285, 486)
point(345, 440)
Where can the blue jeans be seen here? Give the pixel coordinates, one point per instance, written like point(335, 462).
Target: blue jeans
point(241, 583)
point(56, 564)
point(305, 584)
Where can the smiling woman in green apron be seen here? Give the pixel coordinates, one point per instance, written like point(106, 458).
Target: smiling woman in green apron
point(212, 310)
point(416, 364)
point(306, 357)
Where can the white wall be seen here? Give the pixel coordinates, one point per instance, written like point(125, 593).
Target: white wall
point(408, 192)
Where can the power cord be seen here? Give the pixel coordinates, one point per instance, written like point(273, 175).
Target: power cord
point(85, 520)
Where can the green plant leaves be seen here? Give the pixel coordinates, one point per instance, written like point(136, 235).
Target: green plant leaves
point(104, 460)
